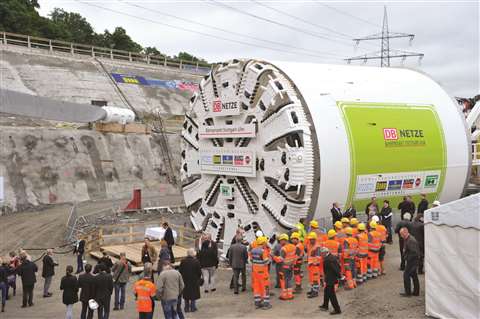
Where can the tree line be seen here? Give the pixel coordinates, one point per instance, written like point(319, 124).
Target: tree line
point(21, 16)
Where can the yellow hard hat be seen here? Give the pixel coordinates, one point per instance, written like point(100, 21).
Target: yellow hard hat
point(345, 220)
point(349, 230)
point(283, 237)
point(295, 235)
point(262, 240)
point(373, 224)
point(331, 233)
point(338, 224)
point(312, 235)
point(314, 224)
point(353, 221)
point(361, 226)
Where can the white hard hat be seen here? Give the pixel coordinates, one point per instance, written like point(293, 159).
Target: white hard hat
point(407, 216)
point(92, 304)
point(436, 203)
point(375, 218)
point(258, 233)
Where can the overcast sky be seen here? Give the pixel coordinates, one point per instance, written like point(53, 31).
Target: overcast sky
point(447, 32)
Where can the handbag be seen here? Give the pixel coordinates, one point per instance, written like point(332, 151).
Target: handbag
point(201, 281)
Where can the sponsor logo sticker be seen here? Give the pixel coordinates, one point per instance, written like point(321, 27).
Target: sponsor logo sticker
point(381, 186)
point(395, 184)
point(238, 160)
point(217, 159)
point(431, 180)
point(217, 106)
point(227, 159)
point(407, 183)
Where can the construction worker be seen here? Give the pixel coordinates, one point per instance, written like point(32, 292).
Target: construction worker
point(345, 223)
point(144, 291)
point(374, 245)
point(350, 250)
point(260, 258)
point(253, 244)
point(321, 239)
point(297, 267)
point(300, 226)
point(362, 256)
point(313, 262)
point(384, 234)
point(288, 257)
point(332, 244)
point(354, 225)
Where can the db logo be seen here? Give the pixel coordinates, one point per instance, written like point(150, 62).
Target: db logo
point(247, 159)
point(217, 106)
point(390, 134)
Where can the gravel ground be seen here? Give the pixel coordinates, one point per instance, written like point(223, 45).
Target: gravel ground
point(377, 298)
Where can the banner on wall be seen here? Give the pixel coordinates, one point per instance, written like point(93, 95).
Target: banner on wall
point(167, 84)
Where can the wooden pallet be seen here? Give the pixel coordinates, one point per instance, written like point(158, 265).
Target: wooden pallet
point(133, 251)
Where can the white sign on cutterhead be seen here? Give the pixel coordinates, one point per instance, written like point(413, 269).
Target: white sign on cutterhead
point(227, 131)
point(223, 108)
point(233, 162)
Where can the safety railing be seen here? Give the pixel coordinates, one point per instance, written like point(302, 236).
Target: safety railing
point(76, 49)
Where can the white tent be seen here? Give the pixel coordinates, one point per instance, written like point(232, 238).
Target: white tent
point(452, 259)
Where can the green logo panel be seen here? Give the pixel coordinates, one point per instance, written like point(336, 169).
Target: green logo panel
point(395, 150)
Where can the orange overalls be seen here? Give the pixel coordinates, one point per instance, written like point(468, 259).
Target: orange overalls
point(374, 245)
point(321, 239)
point(362, 257)
point(383, 232)
point(287, 258)
point(313, 260)
point(350, 249)
point(260, 275)
point(354, 231)
point(297, 267)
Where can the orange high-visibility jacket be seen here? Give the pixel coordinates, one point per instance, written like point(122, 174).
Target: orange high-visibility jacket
point(354, 232)
point(383, 231)
point(374, 241)
point(260, 258)
point(350, 247)
point(340, 237)
point(288, 255)
point(144, 290)
point(362, 244)
point(334, 247)
point(313, 256)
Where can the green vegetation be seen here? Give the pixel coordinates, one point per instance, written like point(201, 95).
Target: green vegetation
point(21, 16)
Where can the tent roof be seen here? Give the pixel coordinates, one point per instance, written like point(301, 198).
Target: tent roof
point(464, 213)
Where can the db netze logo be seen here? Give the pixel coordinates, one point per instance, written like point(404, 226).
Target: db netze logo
point(390, 134)
point(217, 106)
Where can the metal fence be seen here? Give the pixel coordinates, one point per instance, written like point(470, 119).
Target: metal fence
point(76, 49)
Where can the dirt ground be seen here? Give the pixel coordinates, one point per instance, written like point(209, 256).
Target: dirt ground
point(377, 298)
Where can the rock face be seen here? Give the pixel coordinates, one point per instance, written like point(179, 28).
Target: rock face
point(44, 165)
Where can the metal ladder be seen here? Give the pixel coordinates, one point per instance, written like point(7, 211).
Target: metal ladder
point(159, 129)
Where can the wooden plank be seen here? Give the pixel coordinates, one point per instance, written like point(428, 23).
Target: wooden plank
point(133, 251)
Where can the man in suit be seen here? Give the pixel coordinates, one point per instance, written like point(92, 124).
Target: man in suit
point(422, 205)
point(403, 223)
point(103, 292)
point(331, 270)
point(238, 257)
point(411, 255)
point(336, 213)
point(26, 271)
point(79, 251)
point(86, 282)
point(48, 271)
point(168, 237)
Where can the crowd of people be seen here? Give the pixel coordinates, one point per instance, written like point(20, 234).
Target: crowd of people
point(347, 255)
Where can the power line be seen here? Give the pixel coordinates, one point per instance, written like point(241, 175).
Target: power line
point(385, 53)
point(304, 31)
point(228, 31)
point(350, 15)
point(301, 19)
point(199, 32)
